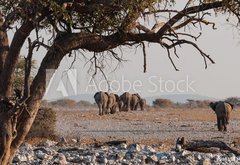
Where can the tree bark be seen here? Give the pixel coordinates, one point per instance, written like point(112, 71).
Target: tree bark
point(37, 90)
point(4, 45)
point(6, 77)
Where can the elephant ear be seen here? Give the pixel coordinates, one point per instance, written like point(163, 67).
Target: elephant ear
point(96, 94)
point(230, 104)
point(139, 97)
point(117, 97)
point(106, 94)
point(213, 105)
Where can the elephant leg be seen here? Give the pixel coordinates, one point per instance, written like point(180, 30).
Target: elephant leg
point(135, 108)
point(225, 123)
point(227, 118)
point(219, 123)
point(99, 109)
point(128, 105)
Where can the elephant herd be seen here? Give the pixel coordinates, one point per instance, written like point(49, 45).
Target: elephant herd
point(110, 102)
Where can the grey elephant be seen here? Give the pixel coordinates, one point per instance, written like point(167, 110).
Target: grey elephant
point(125, 100)
point(135, 101)
point(142, 104)
point(101, 98)
point(113, 103)
point(222, 110)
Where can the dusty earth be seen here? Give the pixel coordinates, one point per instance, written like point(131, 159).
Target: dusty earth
point(153, 126)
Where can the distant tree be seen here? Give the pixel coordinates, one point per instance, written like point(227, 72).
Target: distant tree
point(64, 103)
point(164, 103)
point(196, 103)
point(83, 103)
point(234, 100)
point(98, 26)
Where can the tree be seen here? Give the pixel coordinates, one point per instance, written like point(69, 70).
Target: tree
point(164, 103)
point(19, 73)
point(98, 26)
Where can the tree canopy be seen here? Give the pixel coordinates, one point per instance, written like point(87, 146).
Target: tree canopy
point(97, 26)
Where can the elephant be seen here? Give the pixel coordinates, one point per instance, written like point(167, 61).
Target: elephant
point(113, 103)
point(101, 98)
point(222, 110)
point(124, 102)
point(135, 101)
point(142, 104)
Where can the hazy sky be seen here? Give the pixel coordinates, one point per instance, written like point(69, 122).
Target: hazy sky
point(219, 80)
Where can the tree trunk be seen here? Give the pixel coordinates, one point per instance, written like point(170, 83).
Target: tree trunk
point(37, 90)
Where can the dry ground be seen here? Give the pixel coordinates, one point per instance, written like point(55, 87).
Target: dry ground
point(150, 127)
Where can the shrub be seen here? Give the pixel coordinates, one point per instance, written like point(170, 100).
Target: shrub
point(83, 103)
point(163, 103)
point(64, 103)
point(44, 124)
point(234, 100)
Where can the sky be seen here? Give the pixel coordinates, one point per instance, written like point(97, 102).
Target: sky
point(219, 80)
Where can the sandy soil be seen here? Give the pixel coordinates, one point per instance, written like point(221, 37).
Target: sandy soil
point(149, 127)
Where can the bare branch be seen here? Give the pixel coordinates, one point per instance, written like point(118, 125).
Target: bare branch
point(144, 57)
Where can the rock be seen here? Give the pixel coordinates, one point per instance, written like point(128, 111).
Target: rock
point(134, 148)
point(26, 147)
point(198, 157)
point(30, 156)
point(205, 162)
point(232, 157)
point(149, 149)
point(40, 154)
point(63, 140)
point(74, 140)
point(217, 158)
point(184, 153)
point(122, 146)
point(151, 159)
point(62, 159)
point(154, 158)
point(120, 155)
point(49, 143)
point(20, 158)
point(129, 156)
point(173, 158)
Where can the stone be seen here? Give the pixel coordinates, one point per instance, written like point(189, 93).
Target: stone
point(154, 158)
point(63, 140)
point(217, 158)
point(184, 153)
point(173, 158)
point(74, 140)
point(149, 149)
point(206, 161)
point(40, 154)
point(49, 143)
point(122, 146)
point(62, 159)
point(134, 148)
point(232, 157)
point(198, 157)
point(20, 158)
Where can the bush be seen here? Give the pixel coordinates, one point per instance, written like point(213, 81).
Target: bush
point(234, 100)
point(83, 103)
point(197, 104)
point(64, 103)
point(44, 124)
point(163, 103)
